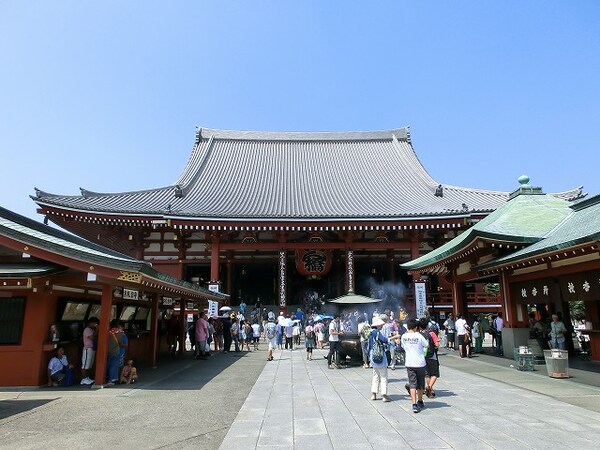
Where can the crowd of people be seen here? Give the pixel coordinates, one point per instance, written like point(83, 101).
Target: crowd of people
point(385, 342)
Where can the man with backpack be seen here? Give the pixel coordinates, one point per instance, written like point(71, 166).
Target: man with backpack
point(432, 363)
point(378, 359)
point(310, 339)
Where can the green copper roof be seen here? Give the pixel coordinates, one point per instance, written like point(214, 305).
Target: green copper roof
point(581, 226)
point(524, 219)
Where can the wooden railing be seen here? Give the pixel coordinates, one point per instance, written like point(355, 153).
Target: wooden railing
point(445, 298)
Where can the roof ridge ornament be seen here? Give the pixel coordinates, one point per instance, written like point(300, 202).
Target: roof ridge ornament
point(178, 191)
point(525, 188)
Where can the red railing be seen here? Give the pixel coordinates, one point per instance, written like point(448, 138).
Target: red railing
point(445, 298)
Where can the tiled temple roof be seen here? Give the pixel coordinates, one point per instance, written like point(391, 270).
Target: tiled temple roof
point(296, 175)
point(32, 234)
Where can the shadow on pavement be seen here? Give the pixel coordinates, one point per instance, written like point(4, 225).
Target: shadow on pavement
point(12, 407)
point(174, 373)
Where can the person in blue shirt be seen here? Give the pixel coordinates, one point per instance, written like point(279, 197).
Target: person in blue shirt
point(300, 316)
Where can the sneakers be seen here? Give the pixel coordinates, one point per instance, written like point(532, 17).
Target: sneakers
point(86, 381)
point(386, 398)
point(416, 408)
point(420, 404)
point(373, 396)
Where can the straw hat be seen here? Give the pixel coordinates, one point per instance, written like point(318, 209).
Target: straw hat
point(377, 322)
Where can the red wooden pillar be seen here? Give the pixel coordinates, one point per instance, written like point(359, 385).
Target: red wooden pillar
point(103, 327)
point(214, 258)
point(229, 286)
point(182, 325)
point(392, 266)
point(509, 306)
point(414, 246)
point(153, 331)
point(459, 301)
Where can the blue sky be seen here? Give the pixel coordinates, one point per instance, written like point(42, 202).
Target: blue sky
point(107, 95)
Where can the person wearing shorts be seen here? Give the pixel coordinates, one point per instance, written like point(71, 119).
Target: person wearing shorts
point(88, 354)
point(449, 324)
point(271, 336)
point(414, 345)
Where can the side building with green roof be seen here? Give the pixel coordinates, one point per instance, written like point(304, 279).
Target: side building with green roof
point(542, 251)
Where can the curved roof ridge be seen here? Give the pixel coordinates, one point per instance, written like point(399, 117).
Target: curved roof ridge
point(196, 163)
point(85, 193)
point(572, 194)
point(468, 189)
point(401, 133)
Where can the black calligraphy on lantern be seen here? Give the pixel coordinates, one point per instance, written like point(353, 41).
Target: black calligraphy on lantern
point(314, 261)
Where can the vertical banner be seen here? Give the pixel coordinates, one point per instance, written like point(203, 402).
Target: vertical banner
point(213, 308)
point(350, 270)
point(420, 299)
point(282, 278)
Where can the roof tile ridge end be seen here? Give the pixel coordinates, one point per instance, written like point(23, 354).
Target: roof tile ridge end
point(209, 148)
point(571, 194)
point(85, 193)
point(470, 189)
point(39, 194)
point(427, 177)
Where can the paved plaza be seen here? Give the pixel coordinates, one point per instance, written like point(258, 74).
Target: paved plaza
point(479, 405)
point(241, 401)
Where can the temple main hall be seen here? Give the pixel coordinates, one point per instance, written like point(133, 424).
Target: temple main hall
point(282, 217)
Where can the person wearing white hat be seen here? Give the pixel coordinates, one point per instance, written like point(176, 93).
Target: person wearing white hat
point(378, 360)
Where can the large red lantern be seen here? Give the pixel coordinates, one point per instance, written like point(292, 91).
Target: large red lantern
point(313, 262)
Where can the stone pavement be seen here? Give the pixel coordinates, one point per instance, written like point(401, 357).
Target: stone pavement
point(184, 404)
point(240, 401)
point(481, 403)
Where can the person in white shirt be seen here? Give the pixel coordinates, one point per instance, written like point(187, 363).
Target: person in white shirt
point(59, 369)
point(255, 334)
point(296, 333)
point(462, 330)
point(335, 332)
point(289, 333)
point(414, 345)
